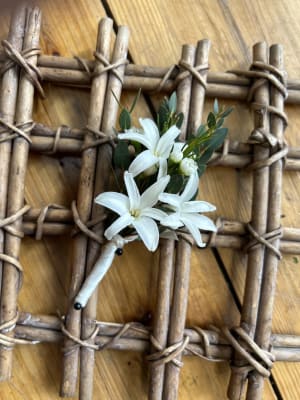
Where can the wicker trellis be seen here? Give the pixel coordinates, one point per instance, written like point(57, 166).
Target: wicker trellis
point(251, 347)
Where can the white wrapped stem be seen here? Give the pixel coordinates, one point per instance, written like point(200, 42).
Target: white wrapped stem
point(102, 265)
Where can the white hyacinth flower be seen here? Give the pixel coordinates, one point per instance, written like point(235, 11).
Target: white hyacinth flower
point(135, 210)
point(158, 147)
point(188, 166)
point(186, 212)
point(177, 155)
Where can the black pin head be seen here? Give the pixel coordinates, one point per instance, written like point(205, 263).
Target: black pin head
point(119, 251)
point(77, 306)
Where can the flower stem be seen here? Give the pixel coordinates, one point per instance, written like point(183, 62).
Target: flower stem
point(100, 268)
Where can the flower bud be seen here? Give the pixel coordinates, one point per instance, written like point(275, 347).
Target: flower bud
point(151, 170)
point(188, 166)
point(176, 156)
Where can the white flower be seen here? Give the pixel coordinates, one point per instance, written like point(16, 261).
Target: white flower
point(136, 210)
point(150, 171)
point(186, 212)
point(177, 155)
point(188, 166)
point(158, 148)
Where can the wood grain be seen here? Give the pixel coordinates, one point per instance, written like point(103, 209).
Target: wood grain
point(158, 30)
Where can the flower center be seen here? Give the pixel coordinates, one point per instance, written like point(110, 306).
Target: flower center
point(135, 213)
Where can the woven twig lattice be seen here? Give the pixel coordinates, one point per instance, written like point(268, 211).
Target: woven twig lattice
point(251, 348)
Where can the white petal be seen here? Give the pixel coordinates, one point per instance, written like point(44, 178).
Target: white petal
point(153, 213)
point(150, 196)
point(178, 146)
point(150, 131)
point(142, 162)
point(116, 202)
point(197, 206)
point(132, 191)
point(172, 220)
point(194, 231)
point(166, 142)
point(136, 137)
point(190, 188)
point(201, 221)
point(147, 231)
point(163, 168)
point(172, 199)
point(118, 225)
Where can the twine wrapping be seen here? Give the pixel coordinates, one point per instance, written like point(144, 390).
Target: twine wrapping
point(103, 139)
point(266, 240)
point(84, 227)
point(187, 70)
point(57, 137)
point(20, 130)
point(31, 71)
point(261, 361)
point(109, 67)
point(6, 225)
point(194, 71)
point(206, 346)
point(164, 80)
point(273, 75)
point(83, 64)
point(97, 347)
point(7, 222)
point(168, 354)
point(41, 219)
point(8, 341)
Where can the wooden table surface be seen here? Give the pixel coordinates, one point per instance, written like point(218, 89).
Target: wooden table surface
point(158, 30)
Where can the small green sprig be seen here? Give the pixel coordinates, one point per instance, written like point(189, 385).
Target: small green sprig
point(208, 137)
point(125, 114)
point(167, 116)
point(121, 156)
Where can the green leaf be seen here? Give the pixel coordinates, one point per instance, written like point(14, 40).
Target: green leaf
point(201, 169)
point(201, 131)
point(176, 184)
point(227, 112)
point(172, 103)
point(213, 144)
point(205, 156)
point(125, 119)
point(117, 100)
point(121, 155)
point(211, 120)
point(216, 107)
point(135, 100)
point(179, 120)
point(295, 260)
point(220, 122)
point(162, 116)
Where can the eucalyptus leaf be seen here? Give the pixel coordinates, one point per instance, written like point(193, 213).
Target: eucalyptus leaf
point(125, 119)
point(162, 116)
point(201, 169)
point(172, 103)
point(135, 100)
point(179, 120)
point(216, 107)
point(213, 144)
point(121, 155)
point(220, 122)
point(227, 112)
point(201, 130)
point(211, 120)
point(176, 183)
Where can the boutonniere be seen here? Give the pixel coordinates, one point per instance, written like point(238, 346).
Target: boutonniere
point(158, 177)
